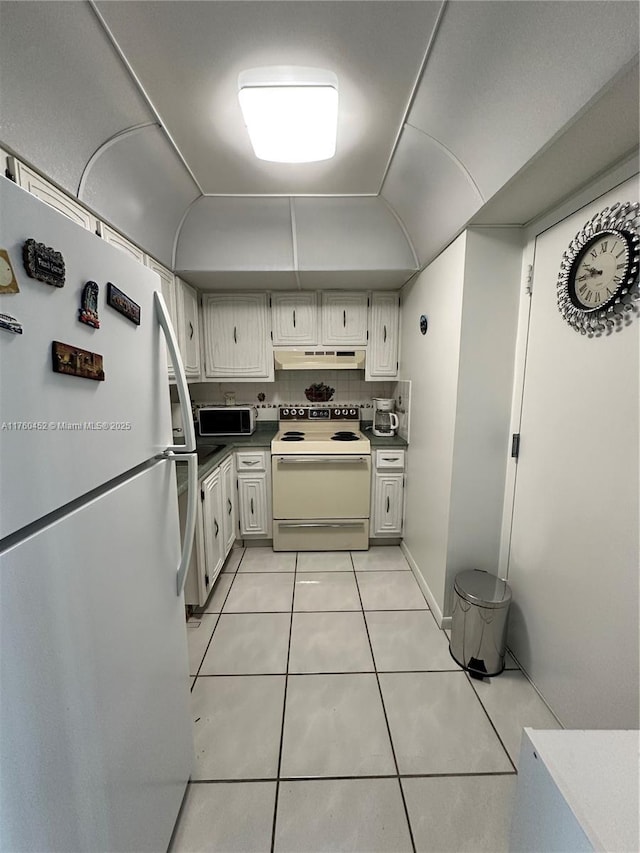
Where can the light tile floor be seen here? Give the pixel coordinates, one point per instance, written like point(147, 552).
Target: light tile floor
point(329, 715)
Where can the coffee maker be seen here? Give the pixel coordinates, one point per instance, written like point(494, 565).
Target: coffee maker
point(385, 420)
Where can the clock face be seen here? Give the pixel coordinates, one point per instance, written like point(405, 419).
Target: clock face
point(600, 270)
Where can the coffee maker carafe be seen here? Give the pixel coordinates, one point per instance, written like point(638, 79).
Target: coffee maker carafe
point(385, 420)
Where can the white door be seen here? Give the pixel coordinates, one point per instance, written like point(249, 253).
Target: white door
point(344, 319)
point(212, 526)
point(96, 738)
point(382, 354)
point(81, 432)
point(294, 318)
point(229, 503)
point(254, 505)
point(573, 562)
point(187, 299)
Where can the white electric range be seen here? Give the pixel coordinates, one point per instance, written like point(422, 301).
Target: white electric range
point(321, 477)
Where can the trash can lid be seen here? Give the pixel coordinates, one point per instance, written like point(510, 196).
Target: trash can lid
point(483, 588)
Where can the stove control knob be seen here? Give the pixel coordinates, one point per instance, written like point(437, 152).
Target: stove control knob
point(301, 411)
point(352, 411)
point(285, 411)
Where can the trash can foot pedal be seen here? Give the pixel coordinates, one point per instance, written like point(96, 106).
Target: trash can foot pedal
point(477, 669)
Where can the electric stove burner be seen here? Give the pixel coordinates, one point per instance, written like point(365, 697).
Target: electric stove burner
point(294, 432)
point(290, 437)
point(344, 435)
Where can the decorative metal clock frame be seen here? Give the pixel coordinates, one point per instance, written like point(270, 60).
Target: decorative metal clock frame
point(622, 222)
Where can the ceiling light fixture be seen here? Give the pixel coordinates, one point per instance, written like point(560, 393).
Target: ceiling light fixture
point(291, 113)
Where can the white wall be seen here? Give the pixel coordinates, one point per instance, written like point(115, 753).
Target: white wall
point(574, 555)
point(482, 439)
point(462, 379)
point(431, 363)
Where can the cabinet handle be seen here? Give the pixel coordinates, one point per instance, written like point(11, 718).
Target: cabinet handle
point(384, 337)
point(235, 337)
point(294, 318)
point(190, 330)
point(230, 505)
point(391, 458)
point(387, 503)
point(344, 319)
point(251, 506)
point(215, 521)
point(247, 462)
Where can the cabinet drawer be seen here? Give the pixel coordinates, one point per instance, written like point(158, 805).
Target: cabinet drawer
point(251, 460)
point(390, 459)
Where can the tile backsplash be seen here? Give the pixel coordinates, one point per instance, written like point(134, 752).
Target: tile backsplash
point(288, 389)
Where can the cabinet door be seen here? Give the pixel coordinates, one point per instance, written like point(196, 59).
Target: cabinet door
point(237, 342)
point(229, 504)
point(254, 505)
point(382, 352)
point(213, 525)
point(168, 288)
point(294, 318)
point(344, 318)
point(188, 329)
point(388, 497)
point(115, 239)
point(37, 186)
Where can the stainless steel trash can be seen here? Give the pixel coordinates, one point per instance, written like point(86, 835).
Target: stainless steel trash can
point(479, 622)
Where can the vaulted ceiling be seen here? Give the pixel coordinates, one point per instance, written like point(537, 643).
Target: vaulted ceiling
point(448, 111)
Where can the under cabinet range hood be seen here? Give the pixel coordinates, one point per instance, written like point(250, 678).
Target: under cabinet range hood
point(319, 359)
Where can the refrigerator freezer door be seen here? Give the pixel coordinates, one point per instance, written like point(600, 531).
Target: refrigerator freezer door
point(79, 432)
point(96, 735)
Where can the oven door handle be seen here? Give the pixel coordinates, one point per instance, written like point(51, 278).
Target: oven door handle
point(320, 524)
point(321, 460)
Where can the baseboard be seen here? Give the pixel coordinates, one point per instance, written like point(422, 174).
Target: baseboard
point(443, 621)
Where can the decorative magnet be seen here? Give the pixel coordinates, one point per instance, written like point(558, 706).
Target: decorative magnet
point(76, 362)
point(88, 312)
point(8, 283)
point(43, 263)
point(424, 324)
point(121, 302)
point(10, 324)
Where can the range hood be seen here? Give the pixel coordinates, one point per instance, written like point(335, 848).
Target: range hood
point(319, 359)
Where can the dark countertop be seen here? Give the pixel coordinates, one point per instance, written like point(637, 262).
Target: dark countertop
point(261, 439)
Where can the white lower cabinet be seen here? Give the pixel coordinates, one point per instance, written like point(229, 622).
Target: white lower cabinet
point(216, 526)
point(229, 503)
point(387, 494)
point(254, 493)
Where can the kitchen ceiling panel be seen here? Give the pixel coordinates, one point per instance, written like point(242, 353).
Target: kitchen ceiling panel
point(64, 90)
point(505, 77)
point(139, 183)
point(349, 234)
point(236, 234)
point(435, 201)
point(584, 150)
point(187, 56)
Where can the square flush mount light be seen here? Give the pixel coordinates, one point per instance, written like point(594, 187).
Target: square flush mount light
point(291, 113)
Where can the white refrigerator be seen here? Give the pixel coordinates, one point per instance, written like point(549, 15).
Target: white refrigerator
point(95, 726)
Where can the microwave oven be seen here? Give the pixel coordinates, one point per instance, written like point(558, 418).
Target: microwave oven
point(227, 420)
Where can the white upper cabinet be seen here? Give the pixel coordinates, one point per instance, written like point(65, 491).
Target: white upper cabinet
point(237, 340)
point(168, 288)
point(344, 318)
point(109, 235)
point(382, 353)
point(294, 318)
point(37, 186)
point(188, 327)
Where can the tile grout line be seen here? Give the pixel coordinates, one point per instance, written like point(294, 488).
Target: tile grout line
point(384, 711)
point(370, 776)
point(475, 693)
point(197, 675)
point(284, 708)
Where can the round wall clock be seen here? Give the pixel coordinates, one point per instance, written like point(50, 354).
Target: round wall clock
point(598, 280)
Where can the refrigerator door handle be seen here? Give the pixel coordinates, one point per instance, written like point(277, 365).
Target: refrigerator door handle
point(192, 507)
point(181, 380)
